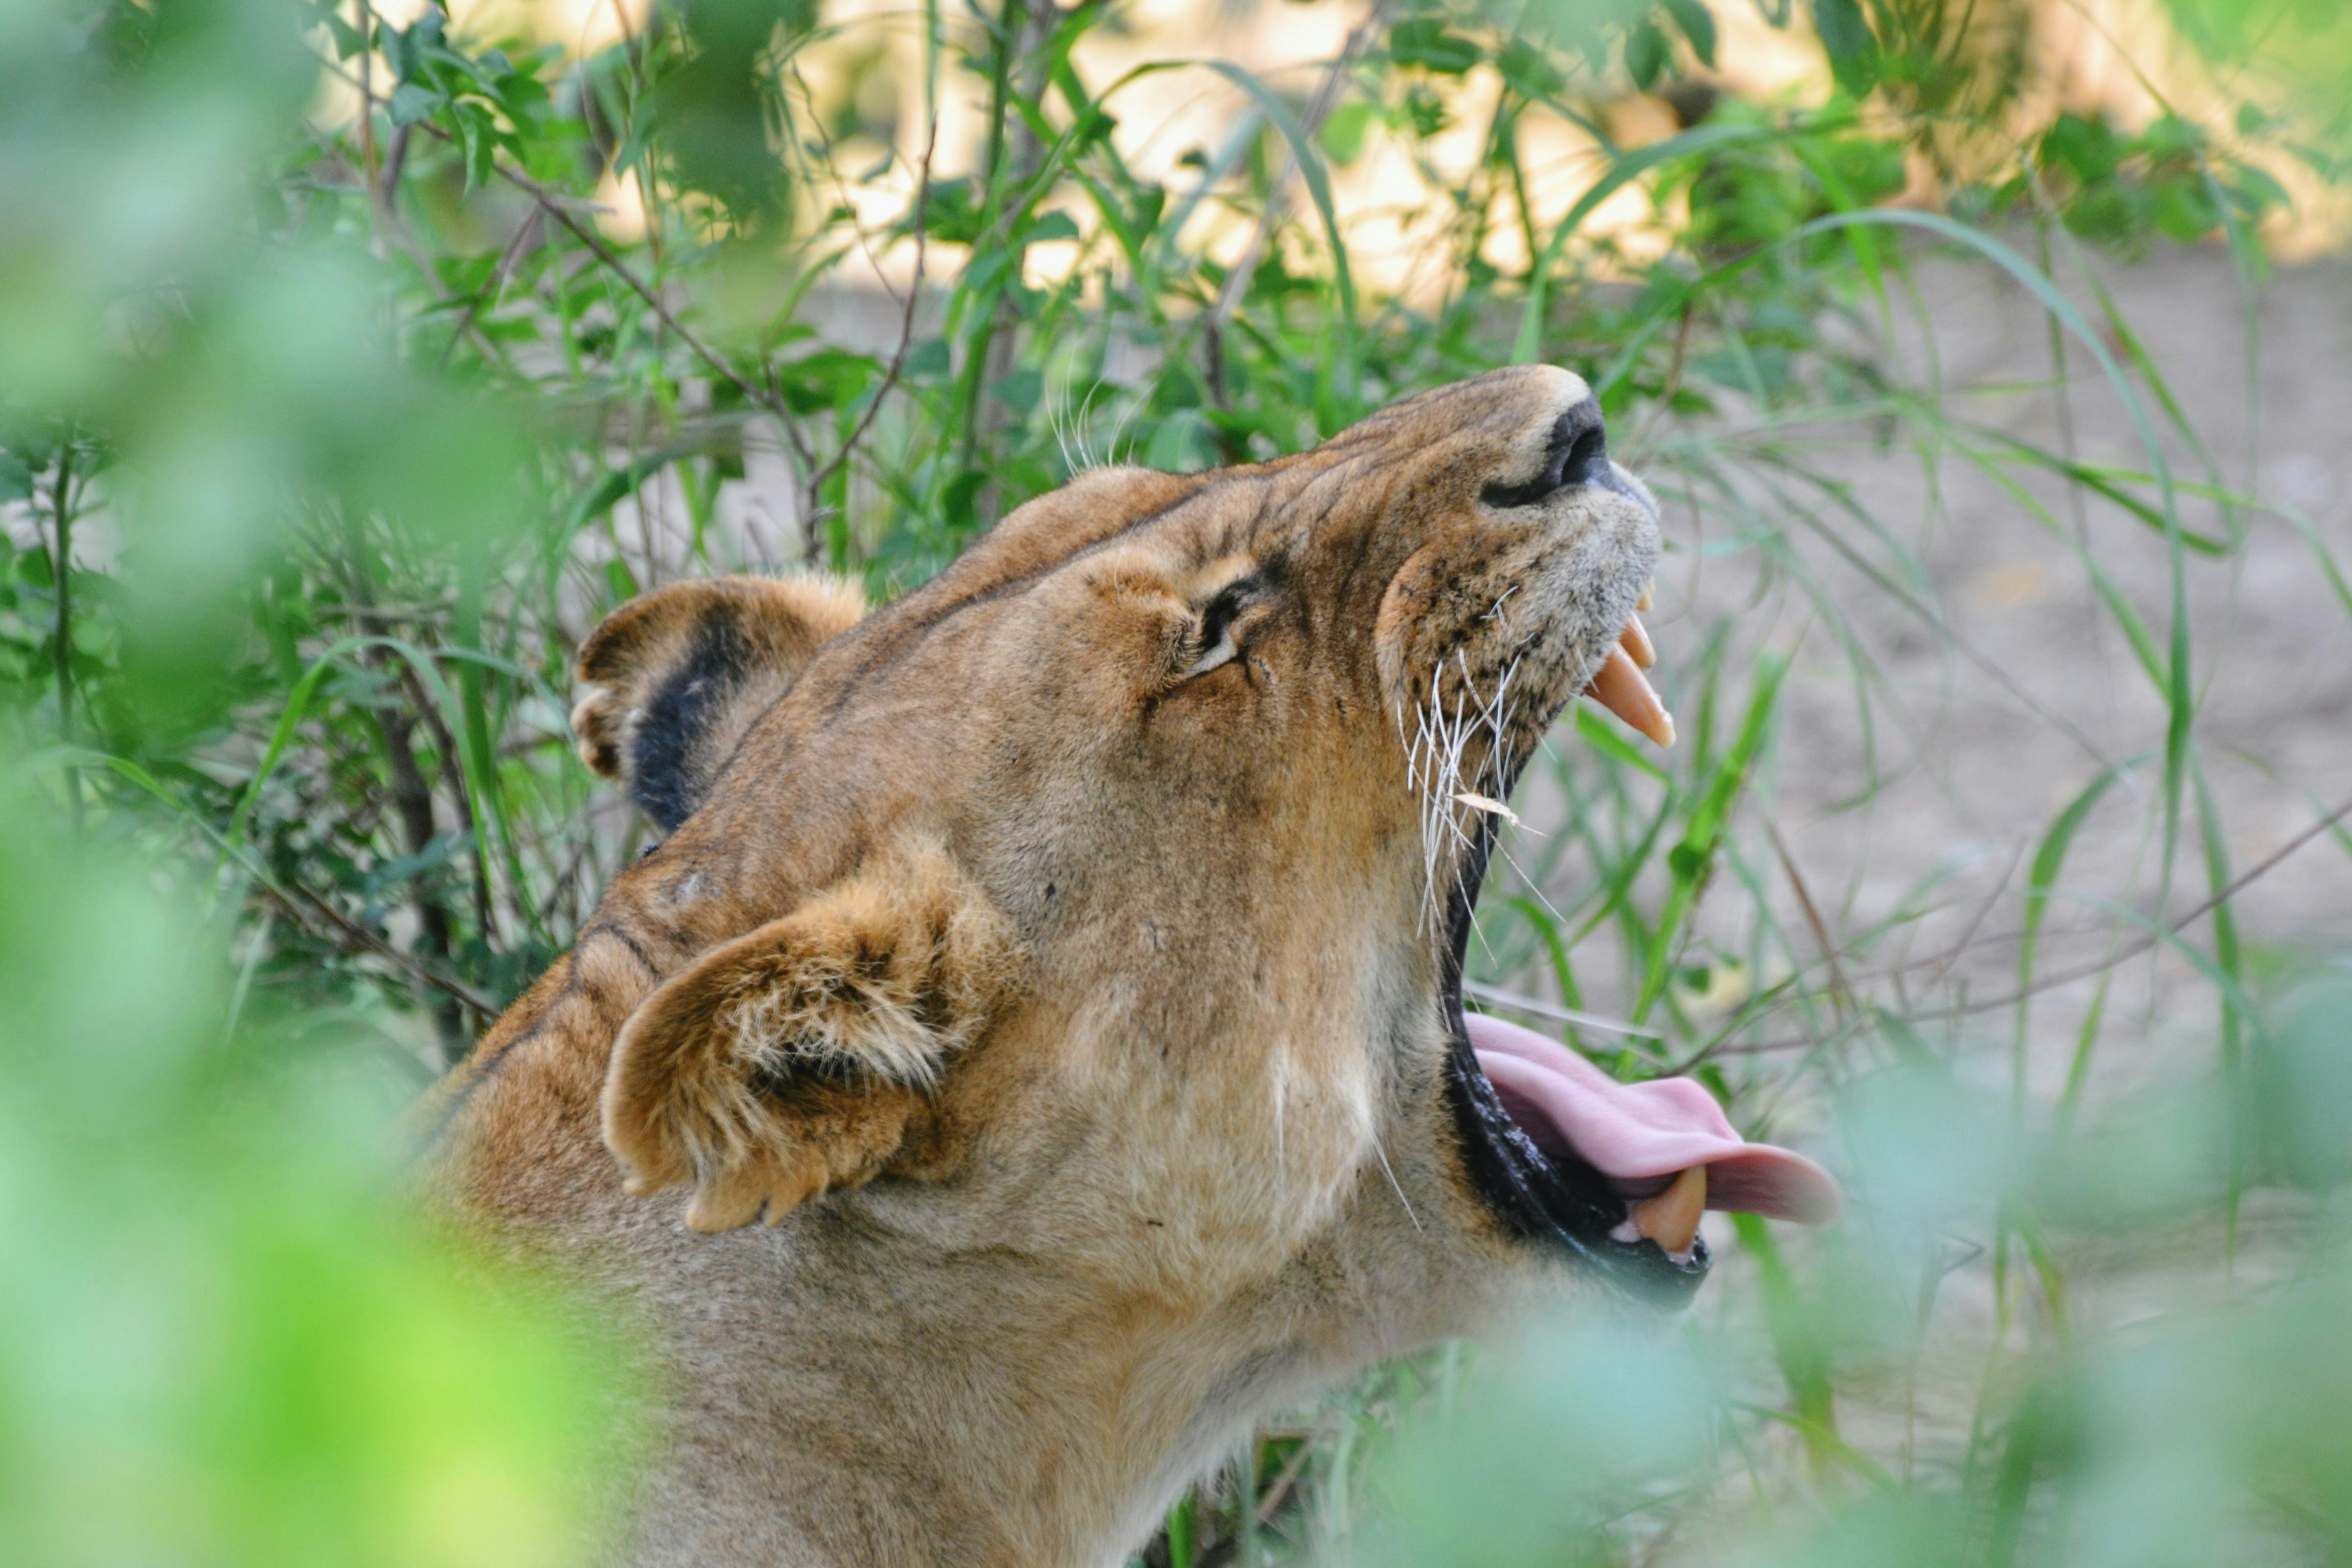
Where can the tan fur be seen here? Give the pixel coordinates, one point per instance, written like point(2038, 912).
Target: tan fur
point(789, 1060)
point(1065, 997)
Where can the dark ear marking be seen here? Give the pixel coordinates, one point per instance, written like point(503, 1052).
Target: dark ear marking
point(662, 753)
point(677, 677)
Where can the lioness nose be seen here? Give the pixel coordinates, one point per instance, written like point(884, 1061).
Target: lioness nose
point(1576, 453)
point(1580, 446)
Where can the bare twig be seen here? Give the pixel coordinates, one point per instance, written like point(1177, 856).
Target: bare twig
point(558, 208)
point(306, 909)
point(1840, 993)
point(766, 397)
point(61, 574)
point(811, 513)
point(529, 236)
point(310, 911)
point(1942, 964)
point(2123, 953)
point(1277, 197)
point(1512, 1002)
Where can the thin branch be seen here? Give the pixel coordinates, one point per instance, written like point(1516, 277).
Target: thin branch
point(2135, 949)
point(61, 500)
point(558, 208)
point(528, 236)
point(2123, 954)
point(822, 477)
point(1327, 98)
point(1495, 996)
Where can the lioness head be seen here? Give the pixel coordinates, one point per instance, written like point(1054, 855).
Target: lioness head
point(1105, 899)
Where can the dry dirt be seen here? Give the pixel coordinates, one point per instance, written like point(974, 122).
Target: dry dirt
point(1986, 728)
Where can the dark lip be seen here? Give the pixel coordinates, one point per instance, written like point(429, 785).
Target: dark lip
point(1557, 1202)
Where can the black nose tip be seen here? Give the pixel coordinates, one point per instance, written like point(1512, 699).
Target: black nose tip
point(1576, 454)
point(1587, 462)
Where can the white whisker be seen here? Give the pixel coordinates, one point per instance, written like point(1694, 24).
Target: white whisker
point(1382, 1155)
point(1451, 795)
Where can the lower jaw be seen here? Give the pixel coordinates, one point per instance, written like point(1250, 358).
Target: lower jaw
point(1552, 1202)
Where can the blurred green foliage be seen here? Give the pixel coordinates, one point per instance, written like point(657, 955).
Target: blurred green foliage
point(222, 1338)
point(331, 414)
point(2211, 1430)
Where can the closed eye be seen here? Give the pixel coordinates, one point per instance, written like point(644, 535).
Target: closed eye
point(1214, 636)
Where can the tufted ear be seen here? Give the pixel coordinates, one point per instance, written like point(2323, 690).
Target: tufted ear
point(677, 676)
point(793, 1059)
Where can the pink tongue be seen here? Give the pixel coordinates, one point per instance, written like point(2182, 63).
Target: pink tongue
point(1634, 1133)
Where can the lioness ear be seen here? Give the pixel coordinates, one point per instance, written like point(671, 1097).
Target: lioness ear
point(792, 1059)
point(677, 675)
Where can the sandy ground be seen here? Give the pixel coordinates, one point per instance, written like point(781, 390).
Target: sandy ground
point(1977, 766)
point(1975, 772)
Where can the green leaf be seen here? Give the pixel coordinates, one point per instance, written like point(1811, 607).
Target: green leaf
point(2086, 149)
point(1344, 132)
point(2257, 192)
point(1319, 186)
point(1622, 169)
point(1645, 54)
point(1529, 69)
point(474, 129)
point(617, 485)
point(2050, 859)
point(829, 378)
point(348, 40)
point(1605, 738)
point(1692, 859)
point(1853, 48)
point(1697, 23)
point(1427, 42)
point(1021, 390)
point(956, 500)
point(410, 103)
point(928, 360)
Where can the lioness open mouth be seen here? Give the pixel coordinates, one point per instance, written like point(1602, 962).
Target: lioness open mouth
point(1617, 1175)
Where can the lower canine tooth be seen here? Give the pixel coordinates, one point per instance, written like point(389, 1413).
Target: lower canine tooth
point(1671, 1219)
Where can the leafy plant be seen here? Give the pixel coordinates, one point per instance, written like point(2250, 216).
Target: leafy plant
point(345, 390)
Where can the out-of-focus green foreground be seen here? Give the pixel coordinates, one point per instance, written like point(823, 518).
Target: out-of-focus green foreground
point(318, 430)
point(226, 1343)
point(224, 1340)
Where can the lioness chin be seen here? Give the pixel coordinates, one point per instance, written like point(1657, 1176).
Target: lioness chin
point(1064, 962)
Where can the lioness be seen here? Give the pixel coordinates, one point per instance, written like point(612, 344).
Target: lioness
point(1066, 963)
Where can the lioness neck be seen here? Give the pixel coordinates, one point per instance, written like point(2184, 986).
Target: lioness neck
point(846, 1388)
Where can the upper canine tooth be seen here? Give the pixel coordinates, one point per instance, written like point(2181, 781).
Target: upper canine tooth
point(1636, 641)
point(1621, 689)
point(1671, 1218)
point(1649, 591)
